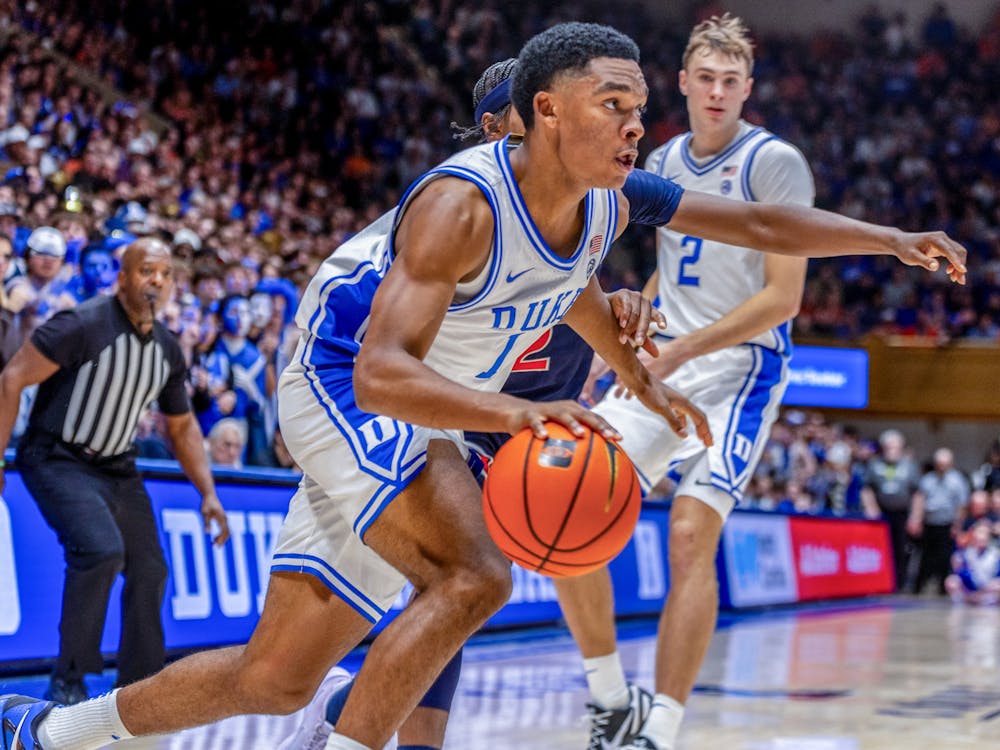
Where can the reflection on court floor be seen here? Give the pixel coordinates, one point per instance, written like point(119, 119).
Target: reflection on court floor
point(901, 673)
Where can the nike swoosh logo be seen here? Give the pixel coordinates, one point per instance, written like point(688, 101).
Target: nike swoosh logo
point(512, 277)
point(617, 739)
point(703, 484)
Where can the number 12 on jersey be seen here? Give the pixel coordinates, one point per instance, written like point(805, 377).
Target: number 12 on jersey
point(684, 278)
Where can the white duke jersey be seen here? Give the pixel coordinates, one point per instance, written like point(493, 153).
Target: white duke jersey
point(700, 280)
point(524, 289)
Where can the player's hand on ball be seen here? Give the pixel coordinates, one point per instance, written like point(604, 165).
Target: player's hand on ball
point(923, 248)
point(570, 414)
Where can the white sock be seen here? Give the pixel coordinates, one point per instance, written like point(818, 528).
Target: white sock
point(85, 726)
point(340, 742)
point(606, 680)
point(663, 722)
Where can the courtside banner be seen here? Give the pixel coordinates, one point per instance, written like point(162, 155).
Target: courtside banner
point(769, 558)
point(827, 376)
point(214, 596)
point(837, 558)
point(756, 565)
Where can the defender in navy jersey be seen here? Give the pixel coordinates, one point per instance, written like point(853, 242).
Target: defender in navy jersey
point(408, 343)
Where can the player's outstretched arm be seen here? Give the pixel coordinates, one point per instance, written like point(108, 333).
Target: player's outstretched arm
point(810, 232)
point(779, 228)
point(444, 237)
point(591, 317)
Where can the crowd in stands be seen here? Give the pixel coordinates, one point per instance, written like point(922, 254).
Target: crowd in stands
point(256, 147)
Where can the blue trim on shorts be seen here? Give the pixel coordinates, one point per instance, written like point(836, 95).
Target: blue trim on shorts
point(747, 415)
point(328, 582)
point(367, 517)
point(391, 473)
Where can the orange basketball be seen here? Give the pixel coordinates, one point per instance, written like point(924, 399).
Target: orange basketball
point(561, 506)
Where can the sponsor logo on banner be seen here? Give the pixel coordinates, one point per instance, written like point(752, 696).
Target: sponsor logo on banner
point(818, 560)
point(839, 557)
point(758, 558)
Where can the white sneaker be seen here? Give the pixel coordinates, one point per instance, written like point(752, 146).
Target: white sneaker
point(313, 729)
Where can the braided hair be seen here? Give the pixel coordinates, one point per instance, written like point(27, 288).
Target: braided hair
point(492, 77)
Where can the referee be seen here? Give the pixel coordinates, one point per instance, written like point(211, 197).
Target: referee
point(100, 366)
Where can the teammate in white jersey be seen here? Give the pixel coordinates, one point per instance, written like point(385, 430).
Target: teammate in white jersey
point(407, 342)
point(727, 346)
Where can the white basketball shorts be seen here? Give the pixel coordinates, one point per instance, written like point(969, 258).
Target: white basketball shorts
point(354, 464)
point(739, 389)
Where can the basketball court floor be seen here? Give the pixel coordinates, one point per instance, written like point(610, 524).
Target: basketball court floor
point(913, 673)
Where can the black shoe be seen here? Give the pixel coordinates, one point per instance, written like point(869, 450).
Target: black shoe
point(614, 728)
point(66, 691)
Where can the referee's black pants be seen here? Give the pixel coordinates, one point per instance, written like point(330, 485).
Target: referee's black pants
point(936, 548)
point(105, 524)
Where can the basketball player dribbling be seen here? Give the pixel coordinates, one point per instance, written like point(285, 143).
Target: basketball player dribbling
point(554, 367)
point(422, 330)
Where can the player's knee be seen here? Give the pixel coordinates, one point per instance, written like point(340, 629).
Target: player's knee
point(484, 586)
point(266, 686)
point(690, 549)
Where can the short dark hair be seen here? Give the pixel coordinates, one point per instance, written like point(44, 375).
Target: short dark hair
point(564, 48)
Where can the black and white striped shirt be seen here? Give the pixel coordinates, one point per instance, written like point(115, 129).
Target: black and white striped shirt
point(108, 375)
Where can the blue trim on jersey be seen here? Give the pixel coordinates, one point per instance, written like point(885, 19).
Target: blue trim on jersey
point(462, 173)
point(644, 484)
point(663, 159)
point(610, 231)
point(748, 164)
point(336, 577)
point(528, 224)
point(714, 161)
point(475, 178)
point(351, 294)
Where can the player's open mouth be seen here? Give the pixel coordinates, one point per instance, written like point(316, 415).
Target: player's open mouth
point(627, 161)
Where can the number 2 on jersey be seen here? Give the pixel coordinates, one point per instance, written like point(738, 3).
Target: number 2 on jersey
point(684, 278)
point(528, 362)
